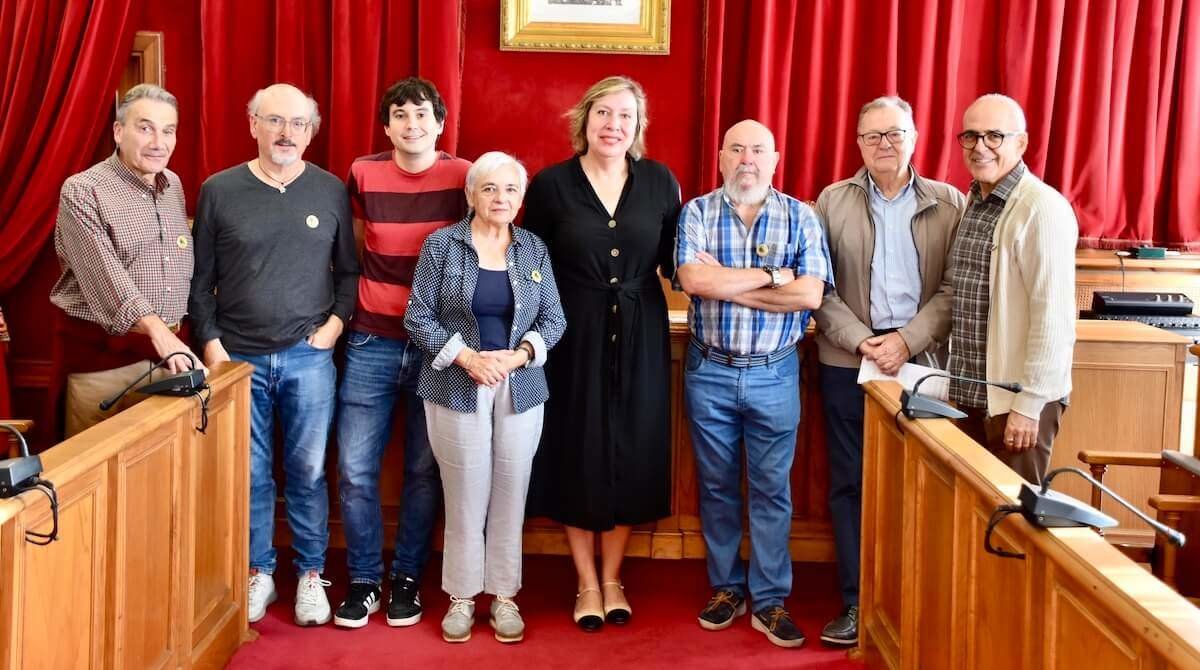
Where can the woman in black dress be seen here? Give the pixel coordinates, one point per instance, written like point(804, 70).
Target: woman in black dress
point(608, 217)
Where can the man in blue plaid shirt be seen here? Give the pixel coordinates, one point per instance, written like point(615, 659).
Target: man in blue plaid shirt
point(755, 263)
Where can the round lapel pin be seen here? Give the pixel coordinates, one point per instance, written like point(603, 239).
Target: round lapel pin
point(181, 241)
point(762, 250)
point(536, 276)
point(312, 221)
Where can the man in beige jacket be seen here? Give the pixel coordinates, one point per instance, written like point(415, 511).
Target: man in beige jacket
point(890, 232)
point(1014, 293)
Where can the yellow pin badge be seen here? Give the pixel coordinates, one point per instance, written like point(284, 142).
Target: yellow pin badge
point(536, 276)
point(762, 250)
point(312, 221)
point(181, 241)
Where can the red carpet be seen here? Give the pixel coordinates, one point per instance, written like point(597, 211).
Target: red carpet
point(666, 596)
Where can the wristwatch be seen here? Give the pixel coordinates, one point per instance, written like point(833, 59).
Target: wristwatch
point(776, 277)
point(528, 349)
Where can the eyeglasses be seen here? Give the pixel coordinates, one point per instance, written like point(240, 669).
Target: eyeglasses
point(992, 139)
point(893, 137)
point(275, 123)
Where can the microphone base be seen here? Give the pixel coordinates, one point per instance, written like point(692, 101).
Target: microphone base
point(917, 406)
point(182, 384)
point(1052, 509)
point(15, 473)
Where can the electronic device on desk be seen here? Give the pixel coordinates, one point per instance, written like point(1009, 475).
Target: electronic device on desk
point(1156, 304)
point(1169, 311)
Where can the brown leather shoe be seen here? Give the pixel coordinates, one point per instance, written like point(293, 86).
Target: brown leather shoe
point(589, 610)
point(616, 607)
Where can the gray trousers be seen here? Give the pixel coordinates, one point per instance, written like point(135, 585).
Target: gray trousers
point(485, 459)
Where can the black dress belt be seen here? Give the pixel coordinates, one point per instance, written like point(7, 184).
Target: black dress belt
point(741, 360)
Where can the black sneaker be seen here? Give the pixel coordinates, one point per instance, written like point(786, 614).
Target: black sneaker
point(777, 625)
point(721, 610)
point(842, 631)
point(404, 602)
point(361, 602)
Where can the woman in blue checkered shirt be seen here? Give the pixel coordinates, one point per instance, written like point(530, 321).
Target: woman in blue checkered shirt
point(485, 310)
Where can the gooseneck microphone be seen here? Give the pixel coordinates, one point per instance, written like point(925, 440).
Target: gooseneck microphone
point(1050, 509)
point(917, 406)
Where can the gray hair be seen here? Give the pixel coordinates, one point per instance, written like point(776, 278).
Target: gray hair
point(489, 163)
point(1013, 105)
point(314, 115)
point(144, 92)
point(885, 101)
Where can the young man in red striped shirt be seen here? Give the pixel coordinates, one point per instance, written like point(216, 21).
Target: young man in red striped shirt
point(399, 197)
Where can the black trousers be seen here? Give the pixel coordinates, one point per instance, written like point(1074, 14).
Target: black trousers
point(842, 399)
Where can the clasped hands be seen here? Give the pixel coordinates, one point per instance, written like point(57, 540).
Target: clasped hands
point(889, 351)
point(489, 368)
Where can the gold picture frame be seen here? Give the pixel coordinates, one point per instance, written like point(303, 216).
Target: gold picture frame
point(629, 26)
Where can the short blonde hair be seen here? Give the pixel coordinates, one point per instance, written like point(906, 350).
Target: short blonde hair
point(578, 114)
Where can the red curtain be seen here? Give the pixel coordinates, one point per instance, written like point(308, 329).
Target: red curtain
point(343, 52)
point(57, 77)
point(1111, 90)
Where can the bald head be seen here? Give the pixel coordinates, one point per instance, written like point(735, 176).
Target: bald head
point(749, 129)
point(993, 139)
point(748, 160)
point(999, 106)
point(283, 119)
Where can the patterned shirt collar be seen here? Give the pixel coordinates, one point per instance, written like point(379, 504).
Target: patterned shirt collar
point(161, 182)
point(1004, 188)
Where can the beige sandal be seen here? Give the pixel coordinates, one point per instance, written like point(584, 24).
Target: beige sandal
point(589, 610)
point(616, 607)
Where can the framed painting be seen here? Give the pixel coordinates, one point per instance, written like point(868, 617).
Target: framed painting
point(591, 26)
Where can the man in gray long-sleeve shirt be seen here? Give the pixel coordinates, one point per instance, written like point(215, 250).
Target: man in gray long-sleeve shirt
point(275, 281)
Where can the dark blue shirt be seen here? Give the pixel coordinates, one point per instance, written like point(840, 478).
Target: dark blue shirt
point(493, 309)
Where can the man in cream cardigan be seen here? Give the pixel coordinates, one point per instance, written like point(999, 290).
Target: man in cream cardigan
point(1013, 310)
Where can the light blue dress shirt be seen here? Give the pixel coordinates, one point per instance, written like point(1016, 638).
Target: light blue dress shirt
point(895, 268)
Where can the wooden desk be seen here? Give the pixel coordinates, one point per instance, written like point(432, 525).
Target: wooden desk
point(931, 597)
point(150, 566)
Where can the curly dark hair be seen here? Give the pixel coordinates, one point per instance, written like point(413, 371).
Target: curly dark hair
point(415, 90)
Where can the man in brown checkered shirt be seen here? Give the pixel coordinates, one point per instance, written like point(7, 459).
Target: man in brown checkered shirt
point(125, 249)
point(1013, 307)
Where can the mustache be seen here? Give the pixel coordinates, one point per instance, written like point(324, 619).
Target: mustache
point(745, 169)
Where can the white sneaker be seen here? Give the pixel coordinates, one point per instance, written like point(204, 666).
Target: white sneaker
point(312, 605)
point(261, 593)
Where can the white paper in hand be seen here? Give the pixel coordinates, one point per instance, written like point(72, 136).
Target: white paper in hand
point(909, 373)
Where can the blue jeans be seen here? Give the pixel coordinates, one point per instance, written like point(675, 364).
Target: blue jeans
point(761, 406)
point(378, 371)
point(298, 383)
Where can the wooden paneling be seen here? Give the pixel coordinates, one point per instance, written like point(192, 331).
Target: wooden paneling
point(149, 570)
point(1127, 396)
point(1074, 601)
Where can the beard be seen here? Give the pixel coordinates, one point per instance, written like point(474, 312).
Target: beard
point(750, 195)
point(283, 160)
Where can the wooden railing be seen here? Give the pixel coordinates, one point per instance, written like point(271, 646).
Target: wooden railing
point(932, 597)
point(149, 569)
